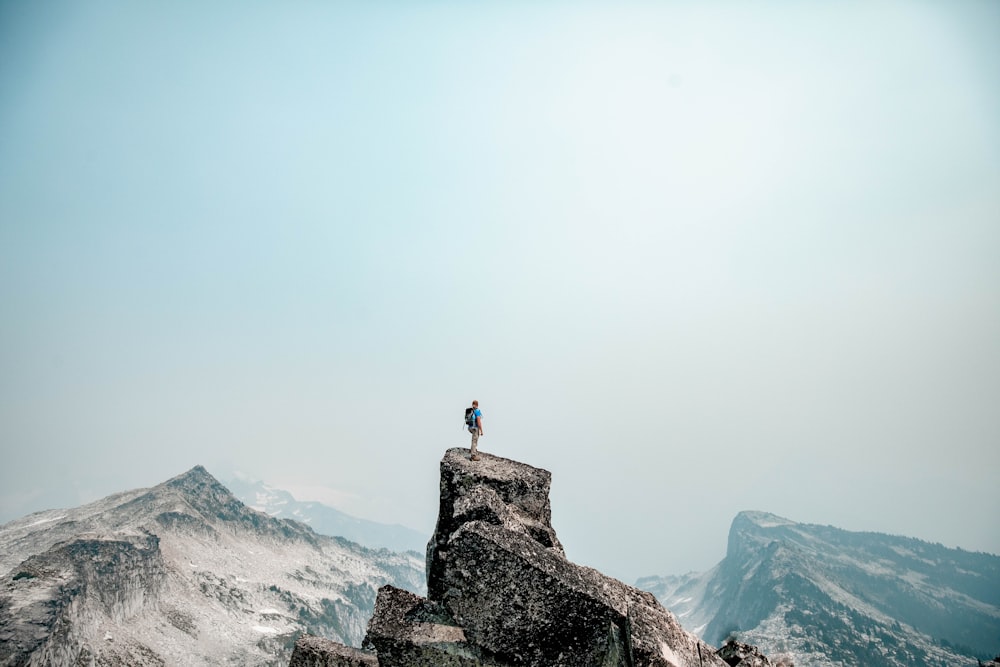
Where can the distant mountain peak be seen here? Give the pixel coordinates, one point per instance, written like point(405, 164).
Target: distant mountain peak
point(833, 597)
point(763, 519)
point(324, 519)
point(195, 479)
point(181, 573)
point(207, 496)
point(752, 530)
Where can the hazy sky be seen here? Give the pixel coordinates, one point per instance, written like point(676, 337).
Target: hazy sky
point(693, 258)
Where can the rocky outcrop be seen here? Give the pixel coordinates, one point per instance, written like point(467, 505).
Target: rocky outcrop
point(502, 593)
point(53, 597)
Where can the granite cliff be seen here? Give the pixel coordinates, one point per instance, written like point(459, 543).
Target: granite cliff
point(501, 593)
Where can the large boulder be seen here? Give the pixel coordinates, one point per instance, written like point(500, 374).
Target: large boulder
point(407, 630)
point(313, 651)
point(738, 654)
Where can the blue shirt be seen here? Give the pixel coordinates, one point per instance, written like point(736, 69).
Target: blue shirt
point(475, 415)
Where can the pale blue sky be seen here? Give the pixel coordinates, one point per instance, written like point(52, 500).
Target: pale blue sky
point(693, 258)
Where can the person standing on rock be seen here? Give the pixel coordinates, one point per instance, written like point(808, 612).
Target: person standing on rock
point(475, 422)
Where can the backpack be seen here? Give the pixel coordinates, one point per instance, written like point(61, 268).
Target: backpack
point(470, 417)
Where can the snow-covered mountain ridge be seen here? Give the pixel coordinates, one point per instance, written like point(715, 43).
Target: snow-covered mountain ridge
point(182, 573)
point(832, 597)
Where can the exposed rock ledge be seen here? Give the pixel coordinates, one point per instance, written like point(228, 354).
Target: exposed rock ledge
point(502, 594)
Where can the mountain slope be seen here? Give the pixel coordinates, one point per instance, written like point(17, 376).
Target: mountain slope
point(325, 519)
point(833, 597)
point(181, 574)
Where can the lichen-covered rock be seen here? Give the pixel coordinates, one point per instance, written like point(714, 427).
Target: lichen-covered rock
point(493, 490)
point(410, 631)
point(313, 651)
point(529, 606)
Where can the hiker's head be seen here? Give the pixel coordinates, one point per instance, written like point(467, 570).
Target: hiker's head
point(475, 404)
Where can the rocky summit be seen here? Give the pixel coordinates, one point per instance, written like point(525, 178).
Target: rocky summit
point(500, 592)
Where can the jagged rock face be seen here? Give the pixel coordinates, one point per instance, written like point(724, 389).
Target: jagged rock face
point(52, 597)
point(180, 574)
point(833, 598)
point(502, 592)
point(494, 491)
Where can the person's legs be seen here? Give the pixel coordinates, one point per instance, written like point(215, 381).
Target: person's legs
point(475, 440)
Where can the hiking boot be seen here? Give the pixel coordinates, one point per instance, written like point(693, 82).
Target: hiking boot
point(475, 457)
